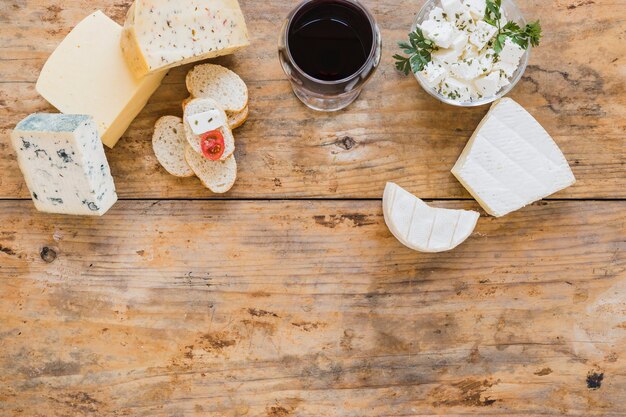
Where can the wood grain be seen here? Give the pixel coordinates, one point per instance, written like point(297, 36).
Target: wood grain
point(574, 86)
point(310, 309)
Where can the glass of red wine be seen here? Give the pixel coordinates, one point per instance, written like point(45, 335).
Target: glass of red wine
point(329, 49)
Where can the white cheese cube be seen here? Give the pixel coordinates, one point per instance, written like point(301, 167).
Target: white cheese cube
point(511, 161)
point(488, 85)
point(451, 7)
point(437, 14)
point(482, 34)
point(207, 121)
point(439, 32)
point(459, 40)
point(64, 165)
point(445, 57)
point(511, 52)
point(433, 74)
point(455, 89)
point(463, 21)
point(470, 52)
point(162, 34)
point(87, 74)
point(477, 8)
point(504, 81)
point(467, 69)
point(486, 58)
point(505, 67)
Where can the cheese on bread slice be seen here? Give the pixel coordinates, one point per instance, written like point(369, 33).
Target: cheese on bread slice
point(203, 105)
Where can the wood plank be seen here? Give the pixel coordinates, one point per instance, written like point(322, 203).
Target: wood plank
point(574, 86)
point(310, 309)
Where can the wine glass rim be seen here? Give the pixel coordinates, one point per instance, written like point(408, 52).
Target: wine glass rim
point(371, 56)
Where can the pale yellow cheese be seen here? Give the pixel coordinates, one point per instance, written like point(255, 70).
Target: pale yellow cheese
point(162, 34)
point(87, 74)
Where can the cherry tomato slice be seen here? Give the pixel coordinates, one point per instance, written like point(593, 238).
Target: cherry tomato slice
point(212, 144)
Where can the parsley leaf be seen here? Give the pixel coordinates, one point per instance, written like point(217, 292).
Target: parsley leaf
point(529, 35)
point(419, 50)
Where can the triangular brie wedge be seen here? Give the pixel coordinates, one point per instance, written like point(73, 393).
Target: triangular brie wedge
point(511, 161)
point(421, 227)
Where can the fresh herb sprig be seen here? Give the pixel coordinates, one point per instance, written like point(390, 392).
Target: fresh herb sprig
point(529, 35)
point(419, 50)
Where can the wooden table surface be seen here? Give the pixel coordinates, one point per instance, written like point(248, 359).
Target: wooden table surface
point(289, 296)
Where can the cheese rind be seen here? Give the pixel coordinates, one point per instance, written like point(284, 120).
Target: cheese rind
point(162, 34)
point(421, 227)
point(64, 165)
point(511, 161)
point(87, 74)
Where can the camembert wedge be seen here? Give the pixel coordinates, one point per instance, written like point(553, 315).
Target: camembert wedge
point(511, 161)
point(423, 228)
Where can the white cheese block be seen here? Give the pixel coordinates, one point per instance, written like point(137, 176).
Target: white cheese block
point(87, 74)
point(476, 8)
point(459, 40)
point(439, 32)
point(206, 121)
point(456, 89)
point(162, 34)
point(433, 74)
point(468, 69)
point(446, 57)
point(482, 34)
point(488, 85)
point(451, 7)
point(507, 68)
point(511, 161)
point(436, 14)
point(511, 52)
point(463, 21)
point(64, 165)
point(424, 228)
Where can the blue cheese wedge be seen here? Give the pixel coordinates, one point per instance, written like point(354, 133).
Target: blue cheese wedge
point(162, 34)
point(64, 165)
point(511, 161)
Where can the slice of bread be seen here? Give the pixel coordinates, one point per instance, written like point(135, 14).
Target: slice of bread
point(220, 84)
point(217, 176)
point(235, 120)
point(169, 143)
point(200, 105)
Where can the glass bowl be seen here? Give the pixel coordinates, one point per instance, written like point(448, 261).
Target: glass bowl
point(511, 12)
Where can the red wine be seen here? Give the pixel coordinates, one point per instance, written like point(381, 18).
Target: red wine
point(330, 40)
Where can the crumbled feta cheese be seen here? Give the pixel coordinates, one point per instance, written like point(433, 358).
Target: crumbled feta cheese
point(470, 51)
point(445, 57)
point(455, 89)
point(476, 8)
point(459, 40)
point(437, 15)
point(504, 81)
point(511, 52)
point(451, 6)
point(439, 32)
point(486, 59)
point(505, 67)
point(433, 74)
point(463, 21)
point(482, 34)
point(467, 69)
point(488, 85)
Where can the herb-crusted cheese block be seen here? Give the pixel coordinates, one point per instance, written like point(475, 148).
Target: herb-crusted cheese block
point(162, 34)
point(64, 165)
point(511, 161)
point(87, 74)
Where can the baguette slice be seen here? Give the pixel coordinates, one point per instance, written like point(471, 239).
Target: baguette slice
point(169, 145)
point(236, 120)
point(220, 84)
point(217, 176)
point(200, 105)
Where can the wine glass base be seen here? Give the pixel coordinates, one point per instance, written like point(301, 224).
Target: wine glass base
point(326, 104)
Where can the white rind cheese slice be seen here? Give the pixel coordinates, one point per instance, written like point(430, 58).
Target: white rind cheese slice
point(511, 161)
point(423, 228)
point(87, 74)
point(64, 165)
point(162, 34)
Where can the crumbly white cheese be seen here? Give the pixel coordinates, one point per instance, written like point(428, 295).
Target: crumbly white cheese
point(465, 51)
point(64, 165)
point(206, 121)
point(511, 161)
